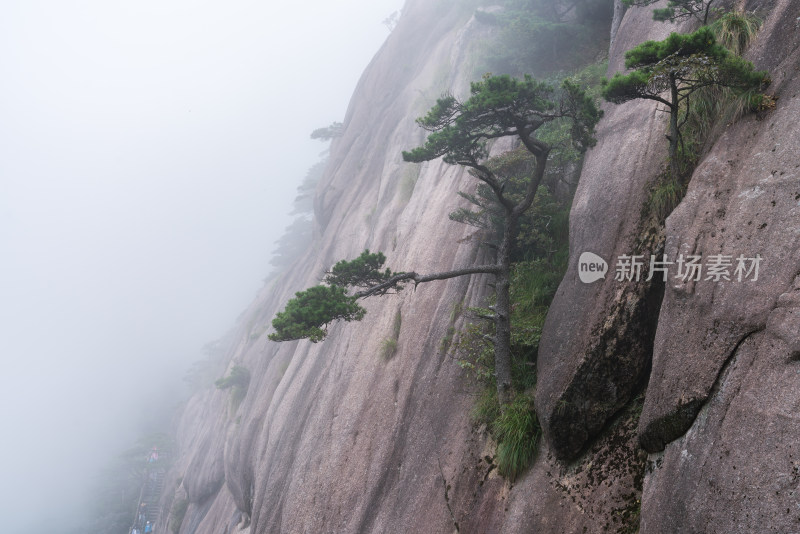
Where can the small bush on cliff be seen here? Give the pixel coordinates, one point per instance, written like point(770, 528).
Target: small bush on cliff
point(333, 130)
point(237, 381)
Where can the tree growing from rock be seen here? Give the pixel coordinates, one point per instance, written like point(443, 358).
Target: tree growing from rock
point(670, 71)
point(498, 106)
point(677, 9)
point(333, 130)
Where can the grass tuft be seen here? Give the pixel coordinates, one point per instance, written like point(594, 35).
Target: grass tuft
point(665, 196)
point(388, 348)
point(486, 408)
point(518, 432)
point(389, 344)
point(735, 30)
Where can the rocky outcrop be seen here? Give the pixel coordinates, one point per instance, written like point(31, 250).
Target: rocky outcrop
point(721, 349)
point(599, 491)
point(331, 437)
point(722, 402)
point(737, 469)
point(597, 341)
point(742, 200)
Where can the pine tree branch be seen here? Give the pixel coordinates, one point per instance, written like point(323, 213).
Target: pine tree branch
point(401, 278)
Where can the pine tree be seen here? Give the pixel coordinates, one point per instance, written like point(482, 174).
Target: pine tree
point(677, 9)
point(498, 106)
point(670, 71)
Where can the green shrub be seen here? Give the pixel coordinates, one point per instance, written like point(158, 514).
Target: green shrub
point(447, 339)
point(516, 429)
point(475, 353)
point(240, 376)
point(238, 382)
point(541, 37)
point(517, 432)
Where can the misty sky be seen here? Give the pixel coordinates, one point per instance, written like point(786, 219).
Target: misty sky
point(149, 154)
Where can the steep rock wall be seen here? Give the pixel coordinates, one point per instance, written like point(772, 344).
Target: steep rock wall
point(595, 347)
point(722, 403)
point(330, 437)
point(721, 399)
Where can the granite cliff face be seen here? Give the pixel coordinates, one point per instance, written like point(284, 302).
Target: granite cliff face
point(332, 438)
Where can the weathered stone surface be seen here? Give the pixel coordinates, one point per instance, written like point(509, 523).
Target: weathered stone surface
point(331, 437)
point(205, 471)
point(742, 200)
point(596, 342)
point(737, 469)
point(599, 491)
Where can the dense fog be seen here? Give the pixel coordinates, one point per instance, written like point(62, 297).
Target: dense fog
point(149, 155)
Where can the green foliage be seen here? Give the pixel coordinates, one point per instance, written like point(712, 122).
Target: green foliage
point(542, 36)
point(303, 203)
point(499, 106)
point(237, 381)
point(677, 9)
point(518, 432)
point(515, 428)
point(388, 348)
point(309, 312)
point(665, 196)
point(364, 271)
point(486, 408)
point(543, 228)
point(239, 376)
point(389, 344)
point(682, 65)
point(545, 225)
point(177, 514)
point(335, 129)
point(514, 169)
point(202, 373)
point(692, 61)
point(447, 339)
point(735, 30)
point(475, 350)
point(293, 243)
point(297, 236)
point(533, 286)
